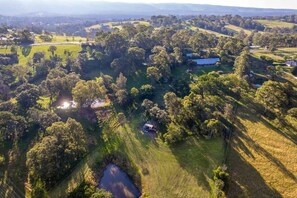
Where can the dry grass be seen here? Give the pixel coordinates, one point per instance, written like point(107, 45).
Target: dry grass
point(238, 29)
point(208, 31)
point(276, 24)
point(262, 160)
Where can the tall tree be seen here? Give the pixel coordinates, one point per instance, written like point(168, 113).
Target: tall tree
point(63, 145)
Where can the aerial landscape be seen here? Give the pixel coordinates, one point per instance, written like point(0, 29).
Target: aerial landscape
point(153, 99)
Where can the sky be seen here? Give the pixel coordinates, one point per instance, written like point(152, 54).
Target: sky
point(290, 4)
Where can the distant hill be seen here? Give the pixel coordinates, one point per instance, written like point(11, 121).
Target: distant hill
point(19, 8)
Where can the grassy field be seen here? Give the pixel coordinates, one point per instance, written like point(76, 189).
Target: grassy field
point(207, 31)
point(117, 24)
point(278, 55)
point(62, 39)
point(60, 51)
point(180, 172)
point(276, 24)
point(262, 159)
point(238, 29)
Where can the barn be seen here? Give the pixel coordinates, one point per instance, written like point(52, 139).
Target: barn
point(206, 61)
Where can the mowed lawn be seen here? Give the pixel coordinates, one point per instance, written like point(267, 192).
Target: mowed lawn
point(262, 160)
point(75, 49)
point(276, 24)
point(165, 172)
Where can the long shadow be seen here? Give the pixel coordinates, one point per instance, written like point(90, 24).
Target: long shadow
point(290, 136)
point(245, 180)
point(262, 151)
point(204, 163)
point(246, 112)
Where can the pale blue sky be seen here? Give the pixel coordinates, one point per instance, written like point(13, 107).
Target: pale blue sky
point(291, 4)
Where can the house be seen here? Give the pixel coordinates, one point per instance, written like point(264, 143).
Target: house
point(149, 128)
point(291, 63)
point(206, 61)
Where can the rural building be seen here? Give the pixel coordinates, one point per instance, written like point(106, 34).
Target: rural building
point(254, 47)
point(149, 128)
point(291, 63)
point(206, 61)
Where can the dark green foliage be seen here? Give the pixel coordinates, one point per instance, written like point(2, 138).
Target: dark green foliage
point(63, 145)
point(116, 45)
point(276, 96)
point(12, 127)
point(38, 190)
point(146, 91)
point(294, 71)
point(174, 134)
point(85, 190)
point(242, 64)
point(26, 50)
point(28, 97)
point(220, 178)
point(152, 111)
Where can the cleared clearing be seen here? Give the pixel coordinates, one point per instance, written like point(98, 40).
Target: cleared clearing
point(64, 39)
point(238, 29)
point(118, 25)
point(74, 49)
point(207, 31)
point(180, 172)
point(276, 24)
point(278, 55)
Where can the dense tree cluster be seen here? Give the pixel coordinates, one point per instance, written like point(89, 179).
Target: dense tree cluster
point(63, 145)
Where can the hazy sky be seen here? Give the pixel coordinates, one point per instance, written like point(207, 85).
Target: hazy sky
point(291, 4)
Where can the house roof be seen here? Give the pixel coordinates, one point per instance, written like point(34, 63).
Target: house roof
point(292, 63)
point(149, 125)
point(206, 61)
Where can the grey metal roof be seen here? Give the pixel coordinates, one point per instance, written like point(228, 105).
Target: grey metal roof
point(206, 61)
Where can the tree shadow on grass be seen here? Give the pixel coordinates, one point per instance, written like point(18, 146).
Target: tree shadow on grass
point(237, 141)
point(245, 180)
point(198, 158)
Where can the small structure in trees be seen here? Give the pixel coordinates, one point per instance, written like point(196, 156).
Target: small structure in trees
point(291, 63)
point(206, 61)
point(149, 128)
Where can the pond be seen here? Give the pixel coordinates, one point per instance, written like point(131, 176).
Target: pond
point(118, 183)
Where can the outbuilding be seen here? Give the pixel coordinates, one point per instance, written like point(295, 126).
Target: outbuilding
point(149, 128)
point(291, 63)
point(206, 61)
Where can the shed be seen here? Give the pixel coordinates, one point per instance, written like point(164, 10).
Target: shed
point(149, 128)
point(206, 61)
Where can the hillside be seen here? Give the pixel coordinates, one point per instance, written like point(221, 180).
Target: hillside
point(268, 155)
point(112, 9)
point(182, 171)
point(238, 29)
